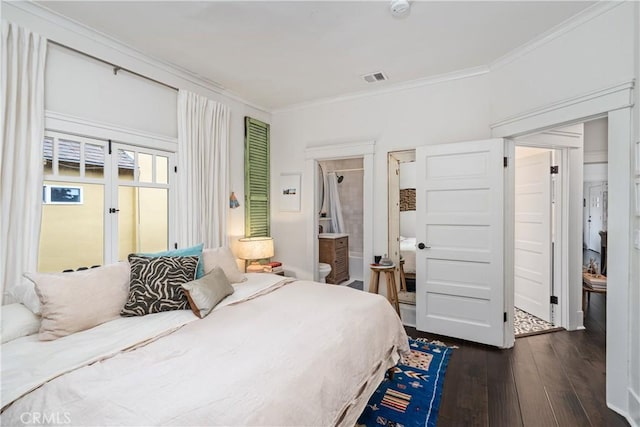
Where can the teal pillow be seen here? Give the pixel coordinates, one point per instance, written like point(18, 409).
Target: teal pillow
point(192, 251)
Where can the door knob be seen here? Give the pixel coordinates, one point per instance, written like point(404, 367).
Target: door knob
point(423, 246)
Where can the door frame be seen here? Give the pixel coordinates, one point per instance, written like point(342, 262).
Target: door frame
point(313, 155)
point(616, 103)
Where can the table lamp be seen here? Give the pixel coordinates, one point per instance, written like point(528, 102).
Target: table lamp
point(253, 249)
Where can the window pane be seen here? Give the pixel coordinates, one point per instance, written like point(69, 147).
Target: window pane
point(68, 158)
point(72, 235)
point(126, 165)
point(162, 170)
point(93, 161)
point(47, 156)
point(145, 167)
point(142, 220)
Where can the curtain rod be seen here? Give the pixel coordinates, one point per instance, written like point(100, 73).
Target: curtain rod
point(116, 68)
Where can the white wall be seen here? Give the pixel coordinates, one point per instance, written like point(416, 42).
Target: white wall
point(451, 111)
point(590, 57)
point(595, 141)
point(634, 297)
point(80, 86)
point(595, 172)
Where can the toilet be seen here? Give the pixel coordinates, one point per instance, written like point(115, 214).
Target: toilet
point(323, 271)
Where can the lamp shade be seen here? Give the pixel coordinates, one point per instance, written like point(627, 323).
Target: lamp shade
point(251, 248)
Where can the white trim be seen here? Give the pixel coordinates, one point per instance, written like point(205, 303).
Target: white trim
point(333, 151)
point(78, 126)
point(637, 158)
point(616, 102)
point(411, 84)
point(313, 155)
point(92, 36)
point(555, 32)
point(582, 107)
point(600, 156)
point(633, 417)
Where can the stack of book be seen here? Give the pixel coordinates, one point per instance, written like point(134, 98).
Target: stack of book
point(276, 267)
point(595, 281)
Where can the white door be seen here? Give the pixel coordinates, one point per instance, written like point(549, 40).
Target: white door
point(460, 234)
point(532, 255)
point(595, 216)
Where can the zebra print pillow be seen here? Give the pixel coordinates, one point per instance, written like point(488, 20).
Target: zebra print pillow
point(154, 284)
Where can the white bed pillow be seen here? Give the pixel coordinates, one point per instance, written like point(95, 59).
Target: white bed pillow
point(18, 321)
point(223, 258)
point(206, 292)
point(25, 292)
point(79, 300)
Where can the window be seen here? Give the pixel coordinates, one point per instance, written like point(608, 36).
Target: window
point(55, 194)
point(101, 201)
point(256, 178)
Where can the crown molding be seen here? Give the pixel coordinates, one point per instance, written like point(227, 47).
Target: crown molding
point(426, 81)
point(555, 32)
point(78, 29)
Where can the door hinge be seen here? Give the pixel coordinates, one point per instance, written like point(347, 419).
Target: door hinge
point(506, 162)
point(504, 317)
point(175, 245)
point(113, 210)
point(554, 170)
point(109, 146)
point(554, 299)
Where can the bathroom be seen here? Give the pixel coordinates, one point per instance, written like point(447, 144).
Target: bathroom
point(341, 184)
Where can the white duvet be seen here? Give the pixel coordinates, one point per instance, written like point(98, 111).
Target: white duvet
point(408, 252)
point(273, 353)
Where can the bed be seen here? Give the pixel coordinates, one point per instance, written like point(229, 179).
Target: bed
point(408, 254)
point(275, 352)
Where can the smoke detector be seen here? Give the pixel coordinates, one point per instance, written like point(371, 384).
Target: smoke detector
point(375, 77)
point(399, 8)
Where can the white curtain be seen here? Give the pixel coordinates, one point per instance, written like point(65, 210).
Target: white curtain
point(22, 94)
point(335, 207)
point(203, 187)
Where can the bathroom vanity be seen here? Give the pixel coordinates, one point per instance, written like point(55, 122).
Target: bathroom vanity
point(334, 250)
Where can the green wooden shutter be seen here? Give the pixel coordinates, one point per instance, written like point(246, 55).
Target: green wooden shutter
point(256, 178)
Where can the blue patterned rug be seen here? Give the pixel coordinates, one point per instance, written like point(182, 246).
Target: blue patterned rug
point(412, 397)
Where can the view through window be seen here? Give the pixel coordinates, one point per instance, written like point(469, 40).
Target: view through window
point(101, 202)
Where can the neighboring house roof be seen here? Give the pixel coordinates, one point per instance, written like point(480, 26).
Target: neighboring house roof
point(69, 151)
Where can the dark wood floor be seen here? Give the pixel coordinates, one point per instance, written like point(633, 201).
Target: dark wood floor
point(554, 379)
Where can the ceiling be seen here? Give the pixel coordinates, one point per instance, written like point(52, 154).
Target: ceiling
point(277, 54)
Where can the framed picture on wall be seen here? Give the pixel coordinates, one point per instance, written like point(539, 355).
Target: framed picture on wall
point(289, 192)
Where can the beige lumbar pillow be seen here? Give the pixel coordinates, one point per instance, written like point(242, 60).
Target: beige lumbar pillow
point(205, 293)
point(223, 258)
point(73, 302)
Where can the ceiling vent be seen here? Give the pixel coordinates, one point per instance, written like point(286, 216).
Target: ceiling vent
point(375, 77)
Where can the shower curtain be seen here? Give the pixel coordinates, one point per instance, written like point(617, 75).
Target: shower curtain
point(334, 205)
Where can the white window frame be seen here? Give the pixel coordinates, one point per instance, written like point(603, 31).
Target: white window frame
point(77, 129)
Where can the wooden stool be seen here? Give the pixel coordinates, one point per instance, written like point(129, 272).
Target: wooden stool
point(403, 279)
point(390, 277)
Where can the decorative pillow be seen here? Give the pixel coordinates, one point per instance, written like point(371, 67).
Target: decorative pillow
point(25, 293)
point(155, 284)
point(18, 321)
point(72, 302)
point(223, 258)
point(205, 293)
point(192, 251)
